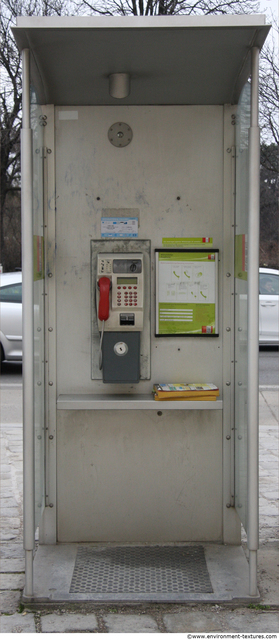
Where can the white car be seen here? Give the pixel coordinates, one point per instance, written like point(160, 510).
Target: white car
point(11, 316)
point(269, 306)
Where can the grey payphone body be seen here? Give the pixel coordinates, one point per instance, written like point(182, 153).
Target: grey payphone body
point(120, 312)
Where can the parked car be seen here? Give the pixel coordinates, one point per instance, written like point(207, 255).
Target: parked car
point(269, 306)
point(11, 316)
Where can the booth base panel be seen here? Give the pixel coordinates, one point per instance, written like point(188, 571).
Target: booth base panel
point(98, 573)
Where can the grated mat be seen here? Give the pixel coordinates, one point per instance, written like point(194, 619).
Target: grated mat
point(141, 570)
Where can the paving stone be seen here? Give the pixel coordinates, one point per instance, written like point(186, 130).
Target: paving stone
point(8, 536)
point(193, 622)
point(12, 565)
point(18, 623)
point(12, 581)
point(11, 550)
point(8, 512)
point(9, 601)
point(253, 622)
point(67, 622)
point(10, 522)
point(117, 623)
point(5, 468)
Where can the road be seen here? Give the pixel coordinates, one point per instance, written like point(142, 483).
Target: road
point(268, 368)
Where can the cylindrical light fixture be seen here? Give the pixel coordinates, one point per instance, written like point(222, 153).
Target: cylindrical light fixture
point(119, 85)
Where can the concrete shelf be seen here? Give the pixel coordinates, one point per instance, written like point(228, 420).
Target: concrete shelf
point(131, 402)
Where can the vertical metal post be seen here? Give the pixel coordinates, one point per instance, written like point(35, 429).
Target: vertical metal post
point(27, 322)
point(253, 328)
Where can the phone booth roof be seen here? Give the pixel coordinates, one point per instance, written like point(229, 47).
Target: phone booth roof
point(170, 59)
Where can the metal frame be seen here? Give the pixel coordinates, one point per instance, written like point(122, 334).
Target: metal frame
point(28, 372)
point(253, 327)
point(28, 332)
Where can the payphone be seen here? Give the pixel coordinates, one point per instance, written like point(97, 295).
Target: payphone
point(120, 313)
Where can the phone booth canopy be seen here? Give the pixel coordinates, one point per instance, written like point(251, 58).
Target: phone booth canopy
point(140, 220)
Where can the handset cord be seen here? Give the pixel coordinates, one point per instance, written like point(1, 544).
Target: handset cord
point(101, 346)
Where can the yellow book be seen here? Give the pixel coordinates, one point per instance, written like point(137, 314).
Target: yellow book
point(187, 398)
point(193, 390)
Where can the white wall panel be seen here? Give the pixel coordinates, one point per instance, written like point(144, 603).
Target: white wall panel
point(176, 152)
point(134, 475)
point(139, 477)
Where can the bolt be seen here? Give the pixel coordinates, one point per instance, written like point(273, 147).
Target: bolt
point(50, 505)
point(228, 328)
point(50, 329)
point(228, 437)
point(228, 275)
point(50, 437)
point(50, 383)
point(228, 505)
point(159, 413)
point(228, 384)
point(50, 275)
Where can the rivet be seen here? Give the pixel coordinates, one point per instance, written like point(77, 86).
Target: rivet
point(50, 383)
point(50, 505)
point(50, 275)
point(228, 437)
point(228, 328)
point(228, 275)
point(50, 329)
point(228, 505)
point(39, 383)
point(159, 413)
point(228, 384)
point(50, 437)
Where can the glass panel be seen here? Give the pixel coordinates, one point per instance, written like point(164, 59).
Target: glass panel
point(38, 279)
point(11, 293)
point(269, 284)
point(241, 370)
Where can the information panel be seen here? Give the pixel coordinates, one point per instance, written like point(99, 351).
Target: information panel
point(186, 292)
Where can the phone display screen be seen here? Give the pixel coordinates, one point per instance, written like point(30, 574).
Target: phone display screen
point(121, 280)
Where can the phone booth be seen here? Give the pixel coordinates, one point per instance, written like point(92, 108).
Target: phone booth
point(140, 210)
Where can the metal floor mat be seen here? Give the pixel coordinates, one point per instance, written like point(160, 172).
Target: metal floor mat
point(141, 570)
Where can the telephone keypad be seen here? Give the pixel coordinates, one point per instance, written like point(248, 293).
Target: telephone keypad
point(127, 296)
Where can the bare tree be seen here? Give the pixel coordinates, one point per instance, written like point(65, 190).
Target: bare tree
point(10, 100)
point(164, 7)
point(269, 102)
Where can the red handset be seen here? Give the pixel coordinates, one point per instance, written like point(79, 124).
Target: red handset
point(104, 286)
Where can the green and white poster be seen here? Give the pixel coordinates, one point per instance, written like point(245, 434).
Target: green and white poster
point(186, 292)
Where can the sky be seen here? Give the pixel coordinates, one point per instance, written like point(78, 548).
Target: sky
point(270, 8)
point(269, 5)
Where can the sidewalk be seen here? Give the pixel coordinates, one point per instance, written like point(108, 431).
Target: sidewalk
point(162, 618)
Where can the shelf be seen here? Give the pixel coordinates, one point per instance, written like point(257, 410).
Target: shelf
point(131, 402)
